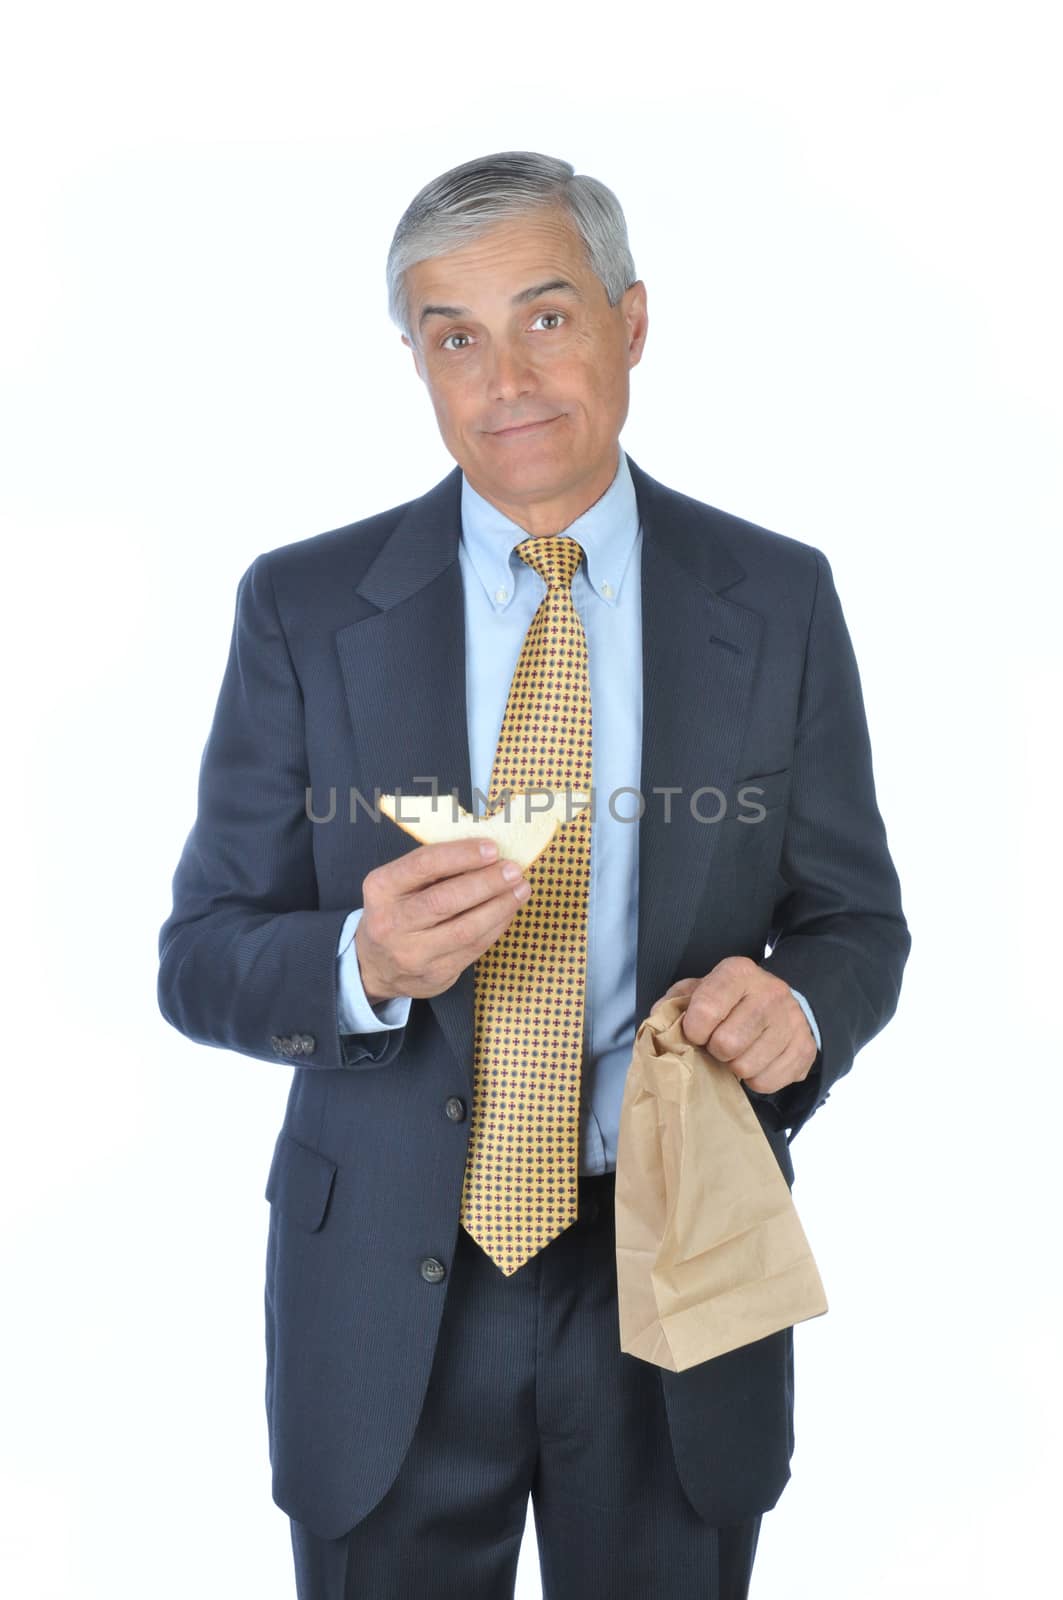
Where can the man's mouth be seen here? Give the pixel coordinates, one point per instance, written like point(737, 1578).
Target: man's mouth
point(527, 427)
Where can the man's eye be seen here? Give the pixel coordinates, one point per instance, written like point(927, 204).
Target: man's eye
point(558, 316)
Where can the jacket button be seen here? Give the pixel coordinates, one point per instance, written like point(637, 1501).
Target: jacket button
point(287, 1047)
point(432, 1271)
point(456, 1108)
point(305, 1044)
point(275, 1044)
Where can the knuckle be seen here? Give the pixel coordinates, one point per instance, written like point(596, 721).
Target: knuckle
point(437, 899)
point(725, 1043)
point(468, 920)
point(481, 926)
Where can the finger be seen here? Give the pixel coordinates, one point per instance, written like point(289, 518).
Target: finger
point(466, 936)
point(766, 1021)
point(791, 1066)
point(409, 873)
point(714, 999)
point(764, 1052)
point(448, 898)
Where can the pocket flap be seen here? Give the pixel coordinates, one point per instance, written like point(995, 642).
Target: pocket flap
point(767, 789)
point(300, 1182)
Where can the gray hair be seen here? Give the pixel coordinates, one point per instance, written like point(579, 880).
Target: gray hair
point(466, 201)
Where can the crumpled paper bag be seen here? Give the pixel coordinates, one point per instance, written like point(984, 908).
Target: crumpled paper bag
point(710, 1253)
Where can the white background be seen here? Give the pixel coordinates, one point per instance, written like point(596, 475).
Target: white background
point(846, 218)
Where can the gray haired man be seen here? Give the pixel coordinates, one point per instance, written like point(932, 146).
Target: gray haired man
point(417, 1396)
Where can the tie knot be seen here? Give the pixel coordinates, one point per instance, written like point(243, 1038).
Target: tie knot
point(554, 559)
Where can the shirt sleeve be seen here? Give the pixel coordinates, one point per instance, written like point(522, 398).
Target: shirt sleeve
point(354, 1012)
point(807, 1009)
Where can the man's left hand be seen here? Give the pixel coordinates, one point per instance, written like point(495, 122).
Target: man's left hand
point(747, 1019)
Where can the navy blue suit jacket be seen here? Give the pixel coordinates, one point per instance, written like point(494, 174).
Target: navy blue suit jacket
point(346, 672)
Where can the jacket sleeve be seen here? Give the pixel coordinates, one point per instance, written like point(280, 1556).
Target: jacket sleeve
point(838, 933)
point(247, 960)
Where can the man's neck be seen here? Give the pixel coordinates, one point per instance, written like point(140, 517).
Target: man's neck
point(547, 519)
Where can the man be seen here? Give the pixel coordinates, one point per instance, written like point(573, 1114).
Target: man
point(441, 1320)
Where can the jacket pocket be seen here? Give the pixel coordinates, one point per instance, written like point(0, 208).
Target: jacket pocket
point(300, 1182)
point(766, 789)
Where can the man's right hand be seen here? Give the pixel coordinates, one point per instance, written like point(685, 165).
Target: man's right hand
point(429, 914)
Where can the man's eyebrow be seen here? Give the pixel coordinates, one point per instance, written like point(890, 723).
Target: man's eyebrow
point(554, 286)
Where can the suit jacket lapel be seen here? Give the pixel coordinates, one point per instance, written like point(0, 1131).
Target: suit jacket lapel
point(699, 657)
point(404, 672)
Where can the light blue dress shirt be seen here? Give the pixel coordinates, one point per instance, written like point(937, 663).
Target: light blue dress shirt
point(502, 595)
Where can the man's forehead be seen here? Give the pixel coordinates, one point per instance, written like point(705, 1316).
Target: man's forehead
point(518, 250)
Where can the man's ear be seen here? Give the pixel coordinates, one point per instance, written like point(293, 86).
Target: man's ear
point(416, 357)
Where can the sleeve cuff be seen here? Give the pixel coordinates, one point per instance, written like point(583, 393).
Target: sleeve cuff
point(354, 1012)
point(807, 1009)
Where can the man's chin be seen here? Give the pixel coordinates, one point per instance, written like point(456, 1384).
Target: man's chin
point(527, 469)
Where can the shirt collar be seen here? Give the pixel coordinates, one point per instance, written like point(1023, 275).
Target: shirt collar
point(606, 531)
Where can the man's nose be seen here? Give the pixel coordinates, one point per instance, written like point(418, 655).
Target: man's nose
point(510, 374)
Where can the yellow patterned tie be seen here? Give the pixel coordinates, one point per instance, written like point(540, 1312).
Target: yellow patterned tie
point(521, 1175)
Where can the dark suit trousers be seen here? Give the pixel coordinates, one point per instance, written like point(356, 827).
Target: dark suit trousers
point(531, 1394)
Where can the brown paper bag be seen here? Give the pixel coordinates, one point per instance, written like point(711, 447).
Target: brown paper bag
point(710, 1253)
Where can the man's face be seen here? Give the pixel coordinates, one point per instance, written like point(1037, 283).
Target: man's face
point(494, 360)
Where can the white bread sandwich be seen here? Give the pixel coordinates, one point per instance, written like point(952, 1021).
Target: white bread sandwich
point(435, 819)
